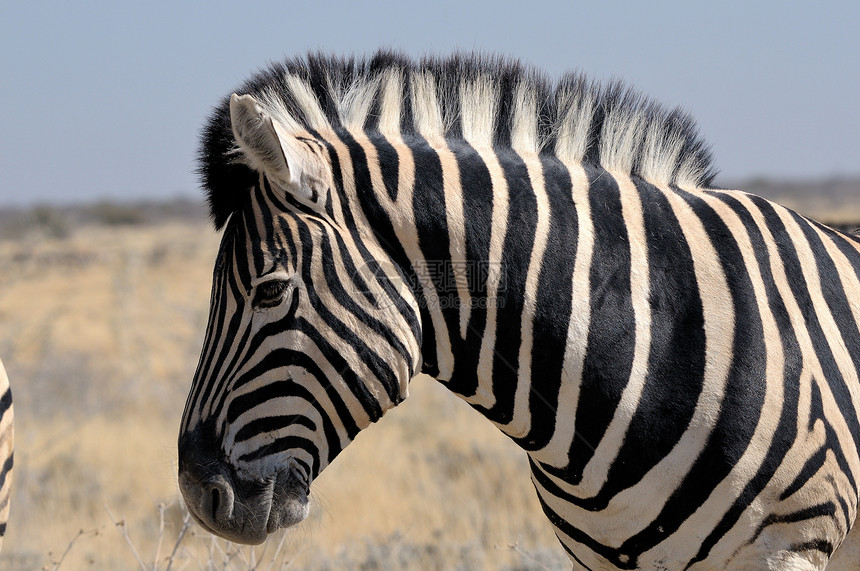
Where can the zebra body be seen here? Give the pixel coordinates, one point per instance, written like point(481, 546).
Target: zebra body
point(680, 363)
point(7, 448)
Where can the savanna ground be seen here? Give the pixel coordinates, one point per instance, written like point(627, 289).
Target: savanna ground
point(102, 312)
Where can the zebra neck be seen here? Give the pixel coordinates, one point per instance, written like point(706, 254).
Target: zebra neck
point(501, 257)
point(471, 228)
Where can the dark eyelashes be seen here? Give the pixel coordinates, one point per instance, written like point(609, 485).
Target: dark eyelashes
point(270, 293)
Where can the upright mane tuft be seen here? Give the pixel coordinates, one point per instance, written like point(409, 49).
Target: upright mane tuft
point(485, 100)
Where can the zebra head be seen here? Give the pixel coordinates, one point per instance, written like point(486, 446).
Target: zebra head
point(312, 335)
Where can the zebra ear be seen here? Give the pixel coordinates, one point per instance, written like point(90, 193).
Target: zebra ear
point(269, 149)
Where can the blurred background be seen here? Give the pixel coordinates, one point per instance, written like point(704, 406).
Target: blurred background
point(106, 251)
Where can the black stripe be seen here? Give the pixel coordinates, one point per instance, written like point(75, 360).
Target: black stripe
point(6, 469)
point(477, 195)
point(571, 554)
point(553, 302)
point(825, 509)
point(821, 545)
point(269, 424)
point(5, 401)
point(428, 205)
point(611, 332)
point(283, 444)
point(508, 78)
point(389, 164)
point(516, 253)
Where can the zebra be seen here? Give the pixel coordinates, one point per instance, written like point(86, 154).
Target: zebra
point(678, 361)
point(7, 448)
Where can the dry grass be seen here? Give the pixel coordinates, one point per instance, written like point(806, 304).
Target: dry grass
point(100, 328)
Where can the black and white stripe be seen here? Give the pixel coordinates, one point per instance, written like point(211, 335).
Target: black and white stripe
point(7, 449)
point(679, 362)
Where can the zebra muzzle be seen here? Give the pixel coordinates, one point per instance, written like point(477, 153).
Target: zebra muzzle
point(239, 509)
point(225, 506)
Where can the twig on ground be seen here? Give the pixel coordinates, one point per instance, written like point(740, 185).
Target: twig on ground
point(528, 556)
point(186, 523)
point(56, 564)
point(120, 525)
point(160, 536)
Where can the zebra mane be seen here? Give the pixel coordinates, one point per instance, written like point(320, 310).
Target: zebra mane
point(487, 101)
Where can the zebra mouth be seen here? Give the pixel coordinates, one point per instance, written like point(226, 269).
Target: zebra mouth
point(289, 500)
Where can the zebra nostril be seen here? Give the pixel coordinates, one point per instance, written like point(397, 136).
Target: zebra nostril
point(217, 500)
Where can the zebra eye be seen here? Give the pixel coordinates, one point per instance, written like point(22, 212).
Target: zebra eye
point(270, 293)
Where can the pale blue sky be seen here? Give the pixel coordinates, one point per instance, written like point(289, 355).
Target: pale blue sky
point(105, 99)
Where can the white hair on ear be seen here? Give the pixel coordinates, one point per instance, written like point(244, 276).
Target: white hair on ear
point(253, 130)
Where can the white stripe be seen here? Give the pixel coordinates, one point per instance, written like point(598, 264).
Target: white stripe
point(521, 421)
point(427, 115)
point(308, 103)
point(354, 106)
point(620, 139)
point(557, 451)
point(596, 471)
point(484, 395)
point(479, 109)
point(453, 192)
